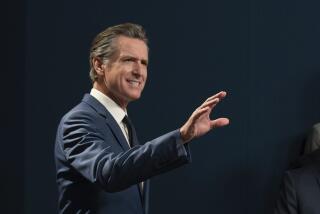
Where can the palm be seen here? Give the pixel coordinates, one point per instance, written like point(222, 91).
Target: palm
point(200, 123)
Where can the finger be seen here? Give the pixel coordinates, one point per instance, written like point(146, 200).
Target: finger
point(219, 95)
point(219, 122)
point(199, 112)
point(210, 103)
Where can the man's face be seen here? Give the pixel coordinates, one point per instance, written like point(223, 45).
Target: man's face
point(126, 74)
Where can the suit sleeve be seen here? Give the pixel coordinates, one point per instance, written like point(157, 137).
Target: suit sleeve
point(287, 201)
point(86, 149)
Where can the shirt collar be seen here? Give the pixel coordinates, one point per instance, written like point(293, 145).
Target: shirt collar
point(115, 110)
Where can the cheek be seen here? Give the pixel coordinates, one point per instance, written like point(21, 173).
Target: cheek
point(120, 77)
point(144, 83)
point(145, 74)
point(145, 79)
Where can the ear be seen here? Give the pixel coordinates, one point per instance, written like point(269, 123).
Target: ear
point(98, 66)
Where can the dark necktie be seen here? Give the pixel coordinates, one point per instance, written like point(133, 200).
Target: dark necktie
point(126, 120)
point(129, 126)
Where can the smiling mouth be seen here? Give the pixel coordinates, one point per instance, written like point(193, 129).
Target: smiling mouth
point(134, 83)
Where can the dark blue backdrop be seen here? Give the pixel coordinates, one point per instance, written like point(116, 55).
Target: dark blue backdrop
point(265, 54)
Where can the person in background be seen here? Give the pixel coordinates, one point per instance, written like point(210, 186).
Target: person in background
point(300, 190)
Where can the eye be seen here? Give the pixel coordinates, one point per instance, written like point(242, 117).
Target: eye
point(145, 63)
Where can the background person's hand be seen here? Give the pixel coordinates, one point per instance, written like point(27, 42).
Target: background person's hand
point(199, 122)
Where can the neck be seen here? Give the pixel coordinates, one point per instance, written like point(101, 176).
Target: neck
point(102, 88)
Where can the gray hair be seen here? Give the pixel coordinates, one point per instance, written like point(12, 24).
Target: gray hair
point(104, 46)
point(313, 139)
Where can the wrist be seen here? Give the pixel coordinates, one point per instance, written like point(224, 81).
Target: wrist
point(183, 135)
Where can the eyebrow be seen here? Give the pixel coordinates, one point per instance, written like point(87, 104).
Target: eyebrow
point(144, 61)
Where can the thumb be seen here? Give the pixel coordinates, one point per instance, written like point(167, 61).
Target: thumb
point(219, 122)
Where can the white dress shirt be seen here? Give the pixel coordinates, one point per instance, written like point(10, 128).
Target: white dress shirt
point(115, 110)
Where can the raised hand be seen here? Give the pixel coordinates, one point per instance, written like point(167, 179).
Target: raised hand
point(199, 123)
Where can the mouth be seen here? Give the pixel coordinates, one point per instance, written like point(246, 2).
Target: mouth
point(134, 83)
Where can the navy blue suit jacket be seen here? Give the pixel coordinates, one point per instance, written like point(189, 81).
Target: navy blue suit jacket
point(97, 172)
point(300, 191)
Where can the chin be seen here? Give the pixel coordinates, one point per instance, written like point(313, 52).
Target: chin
point(134, 97)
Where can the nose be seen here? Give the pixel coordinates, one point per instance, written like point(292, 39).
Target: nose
point(138, 69)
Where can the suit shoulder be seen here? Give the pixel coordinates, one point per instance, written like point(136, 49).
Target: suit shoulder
point(303, 174)
point(302, 170)
point(82, 111)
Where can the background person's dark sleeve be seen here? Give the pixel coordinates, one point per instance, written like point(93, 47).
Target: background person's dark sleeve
point(287, 201)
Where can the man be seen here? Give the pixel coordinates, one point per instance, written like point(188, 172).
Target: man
point(101, 167)
point(300, 191)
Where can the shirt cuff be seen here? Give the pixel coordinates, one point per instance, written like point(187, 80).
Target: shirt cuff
point(183, 149)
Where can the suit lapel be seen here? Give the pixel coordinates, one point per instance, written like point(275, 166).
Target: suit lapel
point(114, 127)
point(117, 131)
point(111, 122)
